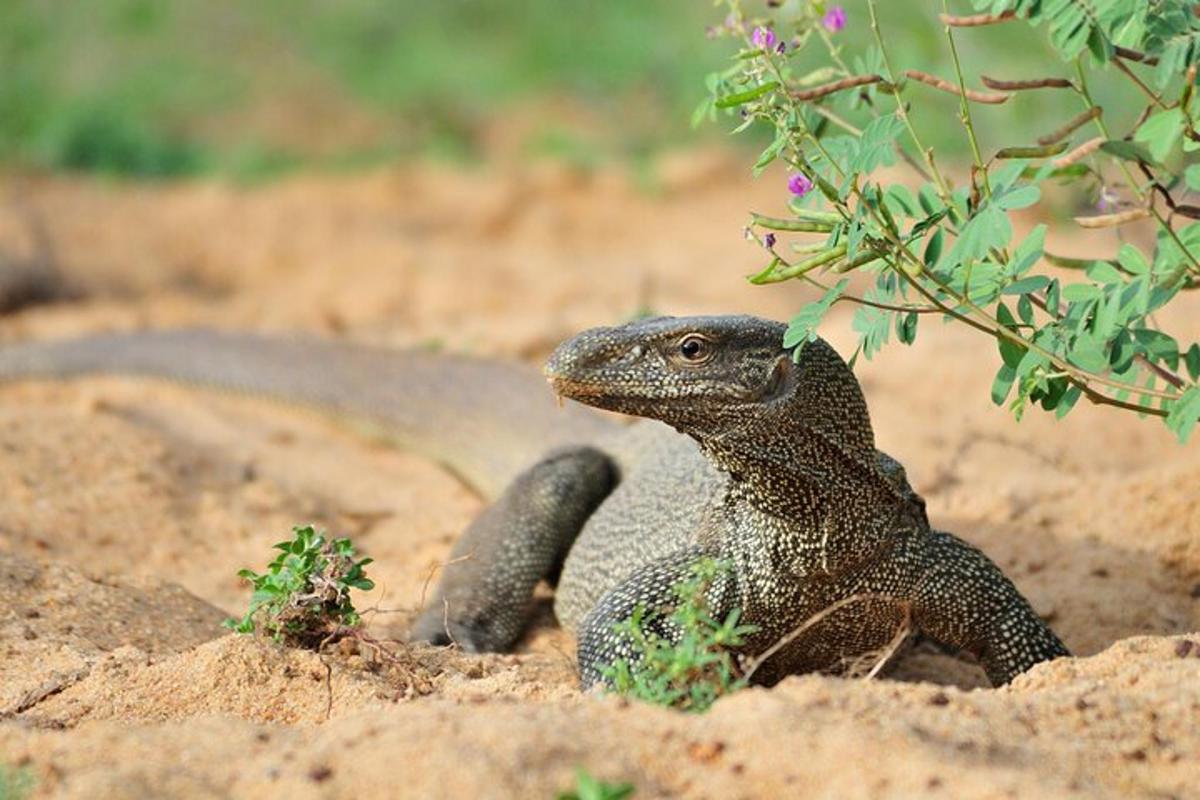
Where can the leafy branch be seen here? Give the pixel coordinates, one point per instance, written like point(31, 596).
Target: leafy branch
point(1065, 328)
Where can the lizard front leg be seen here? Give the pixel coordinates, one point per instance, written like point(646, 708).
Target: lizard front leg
point(962, 599)
point(485, 595)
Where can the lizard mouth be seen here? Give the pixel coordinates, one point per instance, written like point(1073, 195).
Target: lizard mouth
point(574, 389)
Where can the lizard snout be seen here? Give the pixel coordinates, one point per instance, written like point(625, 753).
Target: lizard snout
point(582, 367)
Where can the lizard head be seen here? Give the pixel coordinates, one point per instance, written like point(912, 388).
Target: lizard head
point(676, 369)
point(727, 381)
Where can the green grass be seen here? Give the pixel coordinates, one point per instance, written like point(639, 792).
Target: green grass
point(151, 89)
point(589, 788)
point(694, 667)
point(15, 783)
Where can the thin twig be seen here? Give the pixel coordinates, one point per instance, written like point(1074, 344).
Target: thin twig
point(1134, 55)
point(827, 89)
point(1079, 153)
point(328, 689)
point(990, 98)
point(803, 627)
point(1076, 122)
point(1154, 97)
point(902, 110)
point(1112, 220)
point(433, 571)
point(1017, 86)
point(976, 20)
point(902, 633)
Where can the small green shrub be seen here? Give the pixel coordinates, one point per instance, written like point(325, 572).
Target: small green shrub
point(700, 666)
point(589, 788)
point(15, 783)
point(110, 139)
point(304, 596)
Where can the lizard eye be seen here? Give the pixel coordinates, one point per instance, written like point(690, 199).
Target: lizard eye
point(694, 348)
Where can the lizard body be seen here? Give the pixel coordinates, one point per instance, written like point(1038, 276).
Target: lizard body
point(777, 474)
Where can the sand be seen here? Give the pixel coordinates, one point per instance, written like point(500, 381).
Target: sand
point(127, 507)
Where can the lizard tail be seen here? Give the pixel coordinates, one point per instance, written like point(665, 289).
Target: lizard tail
point(485, 420)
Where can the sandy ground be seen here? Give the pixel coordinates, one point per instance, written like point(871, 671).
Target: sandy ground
point(127, 507)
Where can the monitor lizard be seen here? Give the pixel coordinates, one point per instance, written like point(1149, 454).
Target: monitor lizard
point(776, 474)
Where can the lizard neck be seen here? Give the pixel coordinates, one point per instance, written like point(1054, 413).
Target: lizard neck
point(788, 472)
point(793, 452)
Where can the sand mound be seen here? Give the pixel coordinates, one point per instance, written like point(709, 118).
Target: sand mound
point(1063, 730)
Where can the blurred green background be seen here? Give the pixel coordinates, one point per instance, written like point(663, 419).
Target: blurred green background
point(162, 88)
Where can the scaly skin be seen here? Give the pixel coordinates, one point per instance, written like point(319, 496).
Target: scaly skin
point(805, 512)
point(786, 483)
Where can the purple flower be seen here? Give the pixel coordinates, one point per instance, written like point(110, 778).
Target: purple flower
point(799, 184)
point(781, 48)
point(769, 241)
point(1108, 201)
point(763, 38)
point(835, 19)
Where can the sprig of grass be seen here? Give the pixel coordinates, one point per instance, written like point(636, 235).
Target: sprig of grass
point(589, 788)
point(699, 665)
point(15, 783)
point(304, 595)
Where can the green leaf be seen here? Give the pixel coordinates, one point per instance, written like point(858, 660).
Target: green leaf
point(933, 248)
point(1104, 324)
point(901, 200)
point(1087, 353)
point(1029, 252)
point(1191, 176)
point(1132, 260)
point(1052, 294)
point(1002, 384)
point(927, 223)
point(1192, 360)
point(855, 232)
point(1161, 132)
point(802, 328)
point(873, 326)
point(1158, 346)
point(987, 230)
point(1005, 177)
point(1103, 272)
point(1025, 285)
point(906, 327)
point(1129, 151)
point(1184, 414)
point(1067, 401)
point(741, 98)
point(876, 145)
point(1080, 292)
point(703, 112)
point(1018, 198)
point(1025, 309)
point(771, 152)
point(1122, 351)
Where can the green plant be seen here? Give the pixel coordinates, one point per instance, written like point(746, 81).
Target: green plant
point(304, 596)
point(697, 663)
point(15, 783)
point(589, 788)
point(1066, 327)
